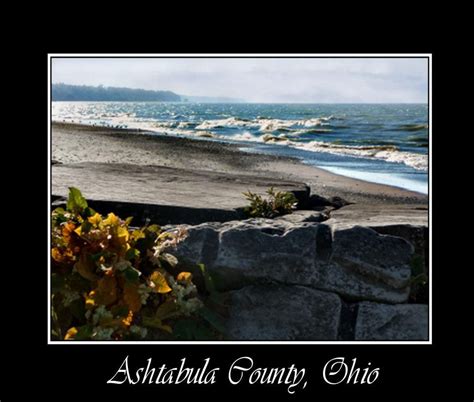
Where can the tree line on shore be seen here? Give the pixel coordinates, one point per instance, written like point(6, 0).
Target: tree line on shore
point(65, 92)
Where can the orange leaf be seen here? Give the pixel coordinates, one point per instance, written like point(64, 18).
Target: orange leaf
point(106, 291)
point(131, 297)
point(68, 228)
point(70, 334)
point(86, 268)
point(159, 282)
point(128, 320)
point(185, 277)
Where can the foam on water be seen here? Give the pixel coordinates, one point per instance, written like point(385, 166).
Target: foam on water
point(394, 180)
point(388, 136)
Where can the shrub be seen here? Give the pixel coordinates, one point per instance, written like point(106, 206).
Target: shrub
point(277, 203)
point(110, 282)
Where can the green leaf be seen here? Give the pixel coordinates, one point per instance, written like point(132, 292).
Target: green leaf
point(119, 311)
point(86, 226)
point(88, 211)
point(188, 329)
point(212, 318)
point(77, 309)
point(132, 254)
point(84, 333)
point(208, 282)
point(131, 275)
point(57, 282)
point(76, 203)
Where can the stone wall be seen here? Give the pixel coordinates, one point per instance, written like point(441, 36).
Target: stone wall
point(301, 278)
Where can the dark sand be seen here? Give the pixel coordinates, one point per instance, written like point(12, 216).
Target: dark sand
point(132, 151)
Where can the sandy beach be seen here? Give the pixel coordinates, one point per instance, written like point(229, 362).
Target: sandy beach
point(129, 150)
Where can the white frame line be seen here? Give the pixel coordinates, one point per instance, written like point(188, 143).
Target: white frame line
point(249, 55)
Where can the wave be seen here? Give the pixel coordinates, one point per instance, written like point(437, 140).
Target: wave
point(262, 124)
point(413, 127)
point(389, 153)
point(269, 127)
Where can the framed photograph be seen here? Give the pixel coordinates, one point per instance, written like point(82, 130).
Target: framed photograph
point(240, 222)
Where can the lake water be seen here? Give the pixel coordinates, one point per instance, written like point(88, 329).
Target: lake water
point(382, 143)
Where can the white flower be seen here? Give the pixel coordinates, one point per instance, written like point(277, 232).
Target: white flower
point(101, 313)
point(144, 292)
point(102, 334)
point(139, 331)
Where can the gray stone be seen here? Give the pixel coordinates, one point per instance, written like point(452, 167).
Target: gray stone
point(365, 265)
point(201, 244)
point(300, 216)
point(283, 313)
point(379, 215)
point(355, 262)
point(177, 195)
point(363, 251)
point(268, 250)
point(382, 322)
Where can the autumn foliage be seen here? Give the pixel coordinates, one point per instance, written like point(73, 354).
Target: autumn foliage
point(111, 282)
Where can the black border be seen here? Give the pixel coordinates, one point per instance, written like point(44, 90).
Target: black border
point(406, 370)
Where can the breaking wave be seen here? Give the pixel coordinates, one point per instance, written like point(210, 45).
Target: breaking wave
point(389, 153)
point(262, 124)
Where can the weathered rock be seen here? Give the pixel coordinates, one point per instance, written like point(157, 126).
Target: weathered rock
point(365, 265)
point(201, 244)
point(382, 322)
point(356, 262)
point(409, 222)
point(380, 215)
point(165, 194)
point(268, 250)
point(316, 201)
point(305, 216)
point(417, 235)
point(283, 313)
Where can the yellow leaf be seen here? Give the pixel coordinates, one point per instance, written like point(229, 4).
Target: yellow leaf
point(79, 231)
point(159, 282)
point(138, 234)
point(96, 219)
point(70, 334)
point(122, 234)
point(185, 277)
point(111, 220)
point(61, 256)
point(90, 299)
point(56, 254)
point(131, 297)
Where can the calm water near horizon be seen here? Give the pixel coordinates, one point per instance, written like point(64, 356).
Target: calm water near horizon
point(381, 143)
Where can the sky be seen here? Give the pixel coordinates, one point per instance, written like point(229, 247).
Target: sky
point(308, 80)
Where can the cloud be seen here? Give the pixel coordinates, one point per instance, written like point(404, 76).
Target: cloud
point(259, 79)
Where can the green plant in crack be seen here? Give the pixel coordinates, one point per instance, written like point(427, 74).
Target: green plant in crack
point(275, 204)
